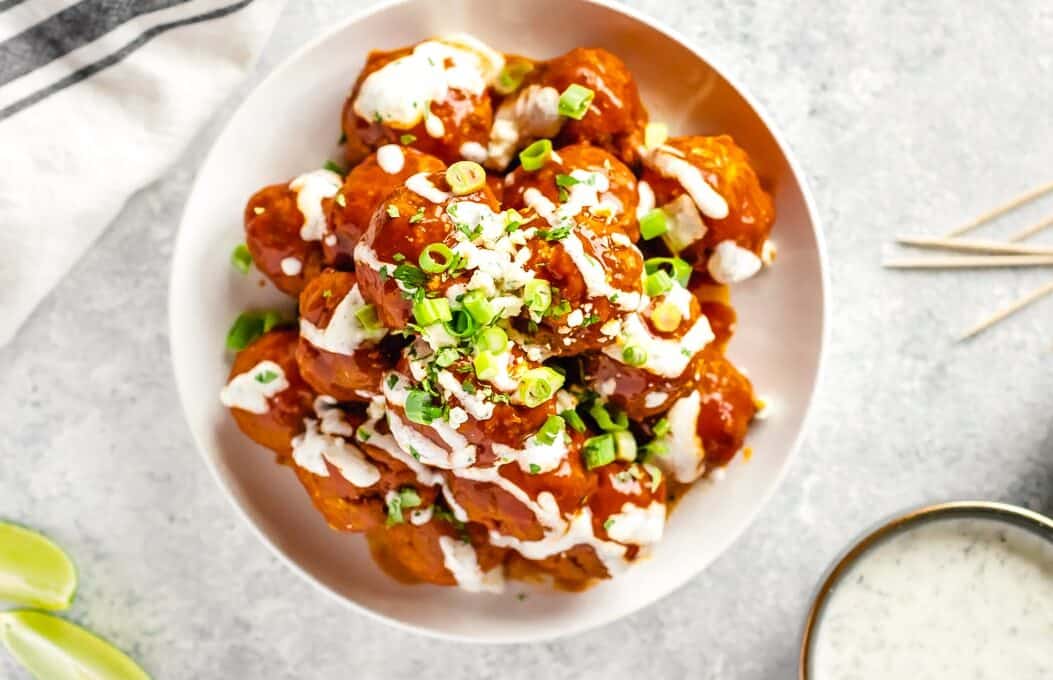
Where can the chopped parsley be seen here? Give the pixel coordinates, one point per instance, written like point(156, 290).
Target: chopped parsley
point(392, 381)
point(608, 523)
point(534, 468)
point(564, 181)
point(589, 320)
point(410, 275)
point(332, 166)
point(362, 433)
point(406, 140)
point(398, 257)
point(266, 377)
point(414, 452)
point(555, 234)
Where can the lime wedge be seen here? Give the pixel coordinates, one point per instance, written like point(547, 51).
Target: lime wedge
point(53, 649)
point(33, 570)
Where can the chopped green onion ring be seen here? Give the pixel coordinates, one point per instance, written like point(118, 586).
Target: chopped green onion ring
point(575, 101)
point(538, 385)
point(653, 224)
point(537, 295)
point(677, 268)
point(534, 157)
point(241, 258)
point(599, 451)
point(464, 177)
point(634, 355)
point(658, 283)
point(428, 261)
point(552, 428)
point(606, 422)
point(432, 310)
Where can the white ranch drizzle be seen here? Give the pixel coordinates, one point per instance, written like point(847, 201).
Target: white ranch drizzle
point(731, 263)
point(636, 525)
point(246, 391)
point(625, 484)
point(473, 151)
point(434, 126)
point(460, 454)
point(399, 93)
point(422, 186)
point(344, 333)
point(685, 453)
point(313, 448)
point(391, 158)
point(685, 225)
point(535, 457)
point(655, 399)
point(460, 559)
point(645, 199)
point(291, 266)
point(578, 532)
point(421, 516)
point(532, 114)
point(665, 357)
point(711, 203)
point(311, 188)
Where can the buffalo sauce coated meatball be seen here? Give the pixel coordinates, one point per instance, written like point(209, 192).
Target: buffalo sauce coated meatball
point(616, 118)
point(579, 166)
point(628, 506)
point(350, 481)
point(284, 226)
point(424, 553)
point(656, 356)
point(432, 96)
point(481, 417)
point(412, 218)
point(364, 189)
point(494, 498)
point(708, 425)
point(340, 352)
point(738, 213)
point(265, 393)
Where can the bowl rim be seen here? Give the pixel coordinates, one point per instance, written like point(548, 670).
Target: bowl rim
point(897, 523)
point(569, 630)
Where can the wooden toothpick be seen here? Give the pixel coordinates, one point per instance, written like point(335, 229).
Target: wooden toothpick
point(1001, 210)
point(1012, 308)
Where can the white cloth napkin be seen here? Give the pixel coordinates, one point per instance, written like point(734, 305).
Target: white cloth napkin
point(97, 98)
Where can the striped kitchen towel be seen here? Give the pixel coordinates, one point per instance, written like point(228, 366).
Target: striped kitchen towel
point(97, 99)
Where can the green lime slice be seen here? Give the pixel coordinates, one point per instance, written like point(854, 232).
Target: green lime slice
point(33, 570)
point(53, 649)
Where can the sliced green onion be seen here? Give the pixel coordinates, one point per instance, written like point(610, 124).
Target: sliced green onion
point(485, 365)
point(666, 317)
point(552, 428)
point(249, 326)
point(625, 446)
point(428, 261)
point(241, 258)
point(393, 211)
point(606, 422)
point(661, 428)
point(655, 448)
point(419, 408)
point(634, 355)
point(534, 157)
point(409, 497)
point(658, 283)
point(464, 177)
point(512, 220)
point(462, 325)
point(538, 385)
point(677, 268)
point(573, 419)
point(432, 310)
point(565, 181)
point(598, 451)
point(394, 510)
point(537, 295)
point(492, 339)
point(367, 316)
point(511, 76)
point(406, 140)
point(653, 224)
point(476, 304)
point(575, 101)
point(446, 357)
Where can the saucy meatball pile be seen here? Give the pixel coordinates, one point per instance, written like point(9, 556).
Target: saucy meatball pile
point(508, 360)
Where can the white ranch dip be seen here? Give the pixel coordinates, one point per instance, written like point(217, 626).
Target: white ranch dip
point(947, 598)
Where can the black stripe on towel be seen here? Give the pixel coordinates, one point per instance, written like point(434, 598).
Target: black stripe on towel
point(116, 57)
point(65, 31)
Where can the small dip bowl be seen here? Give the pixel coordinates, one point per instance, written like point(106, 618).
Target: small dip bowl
point(938, 591)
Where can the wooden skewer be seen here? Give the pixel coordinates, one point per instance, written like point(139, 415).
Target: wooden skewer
point(1028, 232)
point(973, 245)
point(969, 261)
point(1012, 308)
point(1001, 210)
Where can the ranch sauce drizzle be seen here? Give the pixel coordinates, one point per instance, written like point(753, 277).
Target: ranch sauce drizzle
point(949, 598)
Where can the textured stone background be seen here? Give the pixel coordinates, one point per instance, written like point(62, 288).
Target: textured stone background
point(907, 117)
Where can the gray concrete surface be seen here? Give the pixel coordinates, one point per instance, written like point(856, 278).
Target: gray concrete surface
point(907, 116)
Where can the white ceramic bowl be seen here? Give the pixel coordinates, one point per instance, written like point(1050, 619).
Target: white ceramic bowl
point(291, 122)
